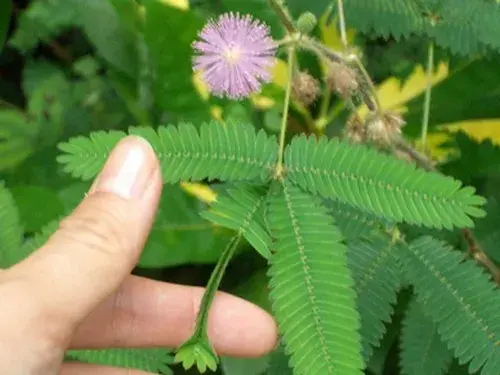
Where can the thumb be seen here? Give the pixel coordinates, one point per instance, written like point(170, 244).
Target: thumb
point(97, 246)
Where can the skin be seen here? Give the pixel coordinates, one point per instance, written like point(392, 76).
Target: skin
point(76, 291)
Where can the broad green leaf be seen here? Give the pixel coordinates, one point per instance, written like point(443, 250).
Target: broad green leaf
point(37, 206)
point(244, 366)
point(169, 33)
point(11, 230)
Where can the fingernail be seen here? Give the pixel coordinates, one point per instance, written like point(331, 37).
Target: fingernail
point(127, 170)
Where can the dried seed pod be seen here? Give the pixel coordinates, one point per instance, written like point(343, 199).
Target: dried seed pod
point(354, 130)
point(341, 79)
point(305, 88)
point(383, 129)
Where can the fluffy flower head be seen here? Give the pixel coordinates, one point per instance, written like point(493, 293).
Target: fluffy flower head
point(235, 55)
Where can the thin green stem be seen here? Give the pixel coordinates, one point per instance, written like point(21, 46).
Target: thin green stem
point(374, 105)
point(283, 16)
point(343, 33)
point(428, 89)
point(213, 285)
point(286, 108)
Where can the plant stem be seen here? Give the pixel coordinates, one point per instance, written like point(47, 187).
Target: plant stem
point(371, 101)
point(428, 89)
point(212, 287)
point(287, 22)
point(343, 33)
point(284, 120)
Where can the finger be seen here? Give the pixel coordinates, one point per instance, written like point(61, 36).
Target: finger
point(151, 313)
point(97, 246)
point(71, 368)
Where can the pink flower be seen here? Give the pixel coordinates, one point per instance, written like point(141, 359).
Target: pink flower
point(236, 54)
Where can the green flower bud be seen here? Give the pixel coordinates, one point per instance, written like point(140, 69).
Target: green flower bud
point(306, 22)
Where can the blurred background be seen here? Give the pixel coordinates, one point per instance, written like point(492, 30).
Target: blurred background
point(71, 67)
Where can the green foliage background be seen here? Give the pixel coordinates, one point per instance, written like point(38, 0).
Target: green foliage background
point(69, 68)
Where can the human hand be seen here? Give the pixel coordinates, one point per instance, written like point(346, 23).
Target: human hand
point(76, 291)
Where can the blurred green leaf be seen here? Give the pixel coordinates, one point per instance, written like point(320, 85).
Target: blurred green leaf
point(17, 138)
point(169, 33)
point(37, 206)
point(11, 230)
point(244, 366)
point(179, 235)
point(5, 10)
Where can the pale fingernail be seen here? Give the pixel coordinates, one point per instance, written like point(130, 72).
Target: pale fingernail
point(127, 170)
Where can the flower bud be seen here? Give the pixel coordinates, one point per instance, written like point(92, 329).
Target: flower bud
point(305, 88)
point(354, 130)
point(306, 22)
point(341, 79)
point(383, 129)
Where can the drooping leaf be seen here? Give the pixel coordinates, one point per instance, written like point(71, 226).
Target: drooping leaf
point(37, 206)
point(312, 290)
point(152, 360)
point(373, 263)
point(279, 363)
point(224, 152)
point(422, 349)
point(242, 209)
point(11, 230)
point(380, 184)
point(460, 298)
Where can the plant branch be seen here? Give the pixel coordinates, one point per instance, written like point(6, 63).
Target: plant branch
point(428, 89)
point(284, 120)
point(200, 331)
point(371, 101)
point(474, 248)
point(285, 19)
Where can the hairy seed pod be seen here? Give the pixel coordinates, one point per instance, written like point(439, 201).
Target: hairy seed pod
point(354, 130)
point(341, 79)
point(383, 129)
point(305, 88)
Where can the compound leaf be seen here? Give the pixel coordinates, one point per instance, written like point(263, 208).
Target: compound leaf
point(375, 269)
point(242, 209)
point(146, 359)
point(376, 183)
point(459, 297)
point(224, 152)
point(422, 349)
point(312, 291)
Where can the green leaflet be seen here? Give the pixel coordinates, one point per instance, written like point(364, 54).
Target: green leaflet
point(279, 363)
point(311, 287)
point(224, 152)
point(459, 297)
point(242, 209)
point(352, 222)
point(422, 349)
point(11, 230)
point(377, 277)
point(154, 359)
point(380, 184)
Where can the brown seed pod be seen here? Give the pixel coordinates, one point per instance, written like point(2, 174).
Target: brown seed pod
point(305, 88)
point(354, 130)
point(341, 79)
point(383, 129)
